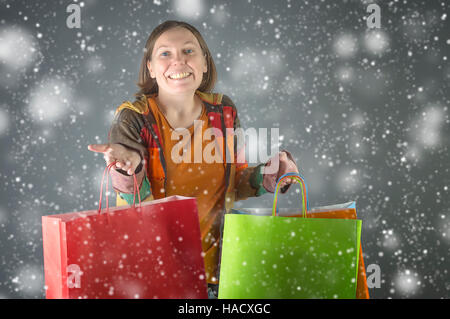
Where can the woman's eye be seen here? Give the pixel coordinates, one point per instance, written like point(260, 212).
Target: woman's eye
point(165, 53)
point(189, 51)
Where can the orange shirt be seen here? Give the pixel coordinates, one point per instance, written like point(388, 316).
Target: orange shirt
point(204, 181)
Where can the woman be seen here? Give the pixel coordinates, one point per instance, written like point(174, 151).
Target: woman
point(176, 77)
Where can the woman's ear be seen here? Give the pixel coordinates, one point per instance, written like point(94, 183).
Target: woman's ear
point(205, 66)
point(149, 67)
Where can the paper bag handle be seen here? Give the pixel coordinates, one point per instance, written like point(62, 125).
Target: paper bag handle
point(106, 172)
point(304, 193)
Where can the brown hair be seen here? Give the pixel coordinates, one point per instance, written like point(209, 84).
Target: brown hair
point(148, 85)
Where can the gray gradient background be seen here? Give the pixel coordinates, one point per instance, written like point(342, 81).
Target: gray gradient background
point(384, 128)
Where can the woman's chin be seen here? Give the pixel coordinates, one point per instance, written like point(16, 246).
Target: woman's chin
point(181, 87)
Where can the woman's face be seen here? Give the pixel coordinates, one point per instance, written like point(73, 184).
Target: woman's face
point(177, 62)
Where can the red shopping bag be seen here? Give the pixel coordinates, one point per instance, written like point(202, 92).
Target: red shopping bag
point(148, 251)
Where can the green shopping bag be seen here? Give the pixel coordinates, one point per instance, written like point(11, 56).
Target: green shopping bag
point(270, 257)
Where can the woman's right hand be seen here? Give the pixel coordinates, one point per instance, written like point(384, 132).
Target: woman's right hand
point(127, 159)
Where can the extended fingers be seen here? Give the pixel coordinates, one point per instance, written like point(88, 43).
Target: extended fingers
point(112, 155)
point(130, 165)
point(115, 153)
point(108, 158)
point(98, 148)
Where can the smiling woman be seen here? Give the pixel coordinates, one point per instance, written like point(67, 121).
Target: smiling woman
point(177, 65)
point(176, 77)
point(162, 45)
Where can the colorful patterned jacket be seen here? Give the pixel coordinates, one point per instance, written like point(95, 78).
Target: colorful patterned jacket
point(135, 127)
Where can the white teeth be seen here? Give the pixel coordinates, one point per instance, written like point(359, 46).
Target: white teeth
point(179, 75)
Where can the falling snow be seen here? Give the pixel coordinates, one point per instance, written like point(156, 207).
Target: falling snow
point(365, 113)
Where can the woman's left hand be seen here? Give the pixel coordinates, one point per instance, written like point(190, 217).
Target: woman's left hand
point(286, 164)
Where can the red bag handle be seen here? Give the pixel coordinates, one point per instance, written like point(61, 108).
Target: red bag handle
point(135, 188)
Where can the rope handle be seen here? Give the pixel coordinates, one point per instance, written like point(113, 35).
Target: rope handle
point(304, 193)
point(106, 172)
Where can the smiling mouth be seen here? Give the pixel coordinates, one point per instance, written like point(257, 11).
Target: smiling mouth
point(179, 76)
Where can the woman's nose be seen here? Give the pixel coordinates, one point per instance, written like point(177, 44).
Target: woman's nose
point(179, 57)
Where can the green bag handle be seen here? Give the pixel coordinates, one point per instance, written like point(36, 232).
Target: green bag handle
point(304, 193)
